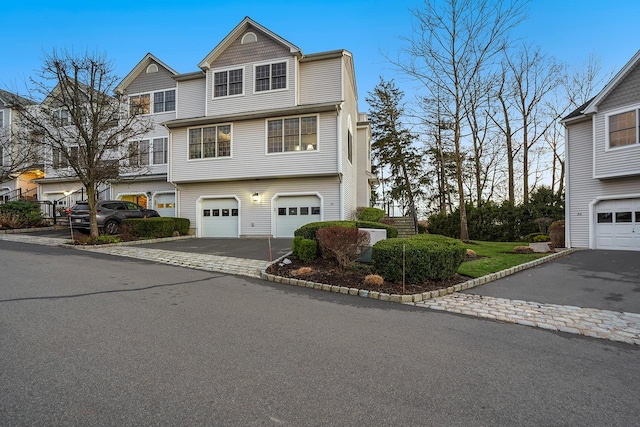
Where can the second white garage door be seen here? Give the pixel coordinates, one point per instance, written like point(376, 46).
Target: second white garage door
point(618, 224)
point(292, 212)
point(219, 218)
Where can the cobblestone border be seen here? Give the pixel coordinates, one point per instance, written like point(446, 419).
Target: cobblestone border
point(408, 298)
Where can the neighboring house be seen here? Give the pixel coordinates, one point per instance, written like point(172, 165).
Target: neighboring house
point(603, 166)
point(19, 165)
point(151, 90)
point(267, 139)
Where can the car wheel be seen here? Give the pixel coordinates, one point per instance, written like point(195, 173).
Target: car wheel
point(111, 227)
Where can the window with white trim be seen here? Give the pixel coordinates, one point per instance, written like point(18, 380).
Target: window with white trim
point(160, 150)
point(140, 104)
point(227, 83)
point(60, 159)
point(210, 142)
point(271, 76)
point(1, 119)
point(164, 101)
point(622, 129)
point(139, 153)
point(292, 134)
point(1, 156)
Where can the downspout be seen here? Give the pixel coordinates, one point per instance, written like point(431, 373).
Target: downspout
point(567, 198)
point(339, 158)
point(176, 197)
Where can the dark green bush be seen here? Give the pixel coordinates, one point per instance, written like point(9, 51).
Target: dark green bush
point(541, 238)
point(531, 237)
point(150, 228)
point(305, 249)
point(308, 231)
point(181, 225)
point(20, 214)
point(371, 214)
point(426, 256)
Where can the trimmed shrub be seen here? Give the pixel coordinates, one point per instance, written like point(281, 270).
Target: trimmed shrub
point(150, 228)
point(371, 214)
point(20, 214)
point(426, 256)
point(541, 238)
point(341, 244)
point(530, 238)
point(308, 231)
point(305, 249)
point(181, 225)
point(556, 233)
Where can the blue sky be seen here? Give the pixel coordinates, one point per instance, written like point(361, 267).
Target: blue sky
point(181, 33)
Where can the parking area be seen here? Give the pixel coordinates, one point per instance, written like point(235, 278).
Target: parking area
point(602, 279)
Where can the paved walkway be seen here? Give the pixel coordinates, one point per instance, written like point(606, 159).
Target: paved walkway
point(604, 324)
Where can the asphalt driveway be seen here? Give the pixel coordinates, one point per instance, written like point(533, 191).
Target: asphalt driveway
point(249, 248)
point(602, 279)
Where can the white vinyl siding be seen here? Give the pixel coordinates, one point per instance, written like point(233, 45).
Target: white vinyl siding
point(321, 81)
point(258, 218)
point(191, 98)
point(250, 159)
point(251, 101)
point(611, 162)
point(583, 189)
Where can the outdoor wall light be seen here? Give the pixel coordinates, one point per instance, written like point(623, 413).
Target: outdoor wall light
point(256, 197)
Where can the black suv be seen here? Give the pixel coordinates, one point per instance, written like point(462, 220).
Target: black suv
point(109, 215)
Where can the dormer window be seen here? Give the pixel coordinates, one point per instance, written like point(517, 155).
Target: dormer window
point(227, 83)
point(271, 77)
point(63, 117)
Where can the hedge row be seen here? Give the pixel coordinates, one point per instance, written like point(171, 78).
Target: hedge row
point(424, 257)
point(153, 228)
point(308, 231)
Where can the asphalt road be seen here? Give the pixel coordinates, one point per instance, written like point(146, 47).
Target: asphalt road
point(88, 340)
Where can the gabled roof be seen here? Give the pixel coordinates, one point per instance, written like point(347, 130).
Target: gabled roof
point(235, 33)
point(9, 99)
point(577, 113)
point(592, 106)
point(142, 65)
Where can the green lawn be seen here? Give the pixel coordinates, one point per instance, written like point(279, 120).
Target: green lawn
point(497, 256)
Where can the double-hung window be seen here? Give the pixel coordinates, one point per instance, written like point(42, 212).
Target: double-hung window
point(164, 101)
point(139, 153)
point(292, 134)
point(622, 129)
point(271, 76)
point(227, 83)
point(62, 116)
point(160, 151)
point(210, 142)
point(140, 104)
point(61, 159)
point(1, 119)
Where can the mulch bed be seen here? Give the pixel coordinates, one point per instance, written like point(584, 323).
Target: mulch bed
point(323, 271)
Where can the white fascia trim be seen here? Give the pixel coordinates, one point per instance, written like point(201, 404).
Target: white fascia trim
point(567, 198)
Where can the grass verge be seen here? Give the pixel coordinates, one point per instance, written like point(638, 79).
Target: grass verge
point(495, 256)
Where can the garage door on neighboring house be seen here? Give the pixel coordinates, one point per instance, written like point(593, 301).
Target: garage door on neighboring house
point(219, 217)
point(292, 212)
point(618, 224)
point(165, 204)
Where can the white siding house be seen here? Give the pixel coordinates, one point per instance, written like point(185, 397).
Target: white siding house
point(603, 166)
point(267, 138)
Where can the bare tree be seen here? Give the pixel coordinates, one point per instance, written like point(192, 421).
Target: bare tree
point(17, 154)
point(453, 43)
point(84, 125)
point(535, 76)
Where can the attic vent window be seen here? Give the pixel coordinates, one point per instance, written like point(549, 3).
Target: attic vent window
point(249, 38)
point(152, 68)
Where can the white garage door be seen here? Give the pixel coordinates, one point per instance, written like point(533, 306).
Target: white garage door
point(219, 218)
point(165, 204)
point(295, 211)
point(618, 224)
